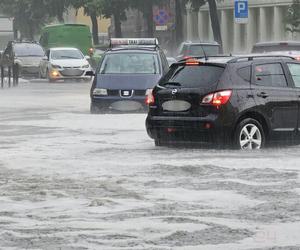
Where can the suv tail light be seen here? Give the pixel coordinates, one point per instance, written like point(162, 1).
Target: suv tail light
point(218, 98)
point(149, 100)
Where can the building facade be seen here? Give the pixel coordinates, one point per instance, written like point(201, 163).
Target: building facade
point(78, 16)
point(265, 23)
point(135, 25)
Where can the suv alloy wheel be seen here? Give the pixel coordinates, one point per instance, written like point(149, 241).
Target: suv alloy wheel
point(249, 135)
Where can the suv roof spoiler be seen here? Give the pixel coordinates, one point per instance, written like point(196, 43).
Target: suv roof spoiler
point(251, 58)
point(207, 57)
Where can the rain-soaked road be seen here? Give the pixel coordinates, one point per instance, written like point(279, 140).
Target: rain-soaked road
point(71, 180)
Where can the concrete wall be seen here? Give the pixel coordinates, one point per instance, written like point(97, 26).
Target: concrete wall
point(266, 22)
point(103, 23)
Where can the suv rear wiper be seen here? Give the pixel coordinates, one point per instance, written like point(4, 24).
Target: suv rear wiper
point(171, 84)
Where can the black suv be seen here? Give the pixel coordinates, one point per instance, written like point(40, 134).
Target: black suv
point(246, 101)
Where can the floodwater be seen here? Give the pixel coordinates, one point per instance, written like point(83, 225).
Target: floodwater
point(72, 180)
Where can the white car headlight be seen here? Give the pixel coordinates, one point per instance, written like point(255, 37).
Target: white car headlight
point(100, 92)
point(55, 66)
point(86, 66)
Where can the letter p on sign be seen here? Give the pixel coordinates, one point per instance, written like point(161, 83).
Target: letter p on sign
point(241, 7)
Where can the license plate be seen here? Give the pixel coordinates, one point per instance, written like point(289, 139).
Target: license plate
point(176, 106)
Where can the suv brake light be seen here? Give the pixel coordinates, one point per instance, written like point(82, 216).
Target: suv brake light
point(192, 61)
point(149, 97)
point(218, 98)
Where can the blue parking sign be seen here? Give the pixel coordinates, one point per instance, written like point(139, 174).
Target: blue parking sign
point(241, 11)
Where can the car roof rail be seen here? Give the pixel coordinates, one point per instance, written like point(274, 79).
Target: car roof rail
point(252, 57)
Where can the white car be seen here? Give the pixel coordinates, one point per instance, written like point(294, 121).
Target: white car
point(64, 63)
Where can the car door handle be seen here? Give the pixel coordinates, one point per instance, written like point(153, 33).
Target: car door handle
point(262, 94)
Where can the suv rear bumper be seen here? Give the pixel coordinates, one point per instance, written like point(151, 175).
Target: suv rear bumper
point(201, 129)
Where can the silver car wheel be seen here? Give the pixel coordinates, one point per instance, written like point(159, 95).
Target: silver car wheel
point(250, 137)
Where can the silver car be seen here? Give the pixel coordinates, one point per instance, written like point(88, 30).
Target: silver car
point(26, 56)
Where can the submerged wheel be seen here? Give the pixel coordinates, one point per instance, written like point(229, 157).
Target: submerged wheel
point(157, 143)
point(94, 109)
point(249, 135)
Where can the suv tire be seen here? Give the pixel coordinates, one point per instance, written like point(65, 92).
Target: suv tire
point(94, 109)
point(249, 135)
point(158, 143)
point(16, 74)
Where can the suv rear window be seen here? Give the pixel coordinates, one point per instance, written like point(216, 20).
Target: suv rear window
point(193, 76)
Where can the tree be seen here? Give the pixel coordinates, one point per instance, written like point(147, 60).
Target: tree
point(146, 7)
point(30, 15)
point(215, 23)
point(180, 10)
point(117, 10)
point(292, 20)
point(180, 7)
point(93, 9)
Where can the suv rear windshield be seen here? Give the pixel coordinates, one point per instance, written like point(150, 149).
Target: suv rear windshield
point(272, 48)
point(130, 63)
point(193, 76)
point(28, 49)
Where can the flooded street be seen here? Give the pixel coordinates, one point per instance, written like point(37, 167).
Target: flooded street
point(72, 180)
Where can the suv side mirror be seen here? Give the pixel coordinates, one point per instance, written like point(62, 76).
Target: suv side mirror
point(87, 57)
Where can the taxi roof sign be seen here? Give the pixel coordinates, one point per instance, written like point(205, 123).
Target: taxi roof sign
point(116, 42)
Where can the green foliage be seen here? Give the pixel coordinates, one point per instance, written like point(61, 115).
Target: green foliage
point(30, 15)
point(292, 19)
point(115, 7)
point(196, 4)
point(89, 6)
